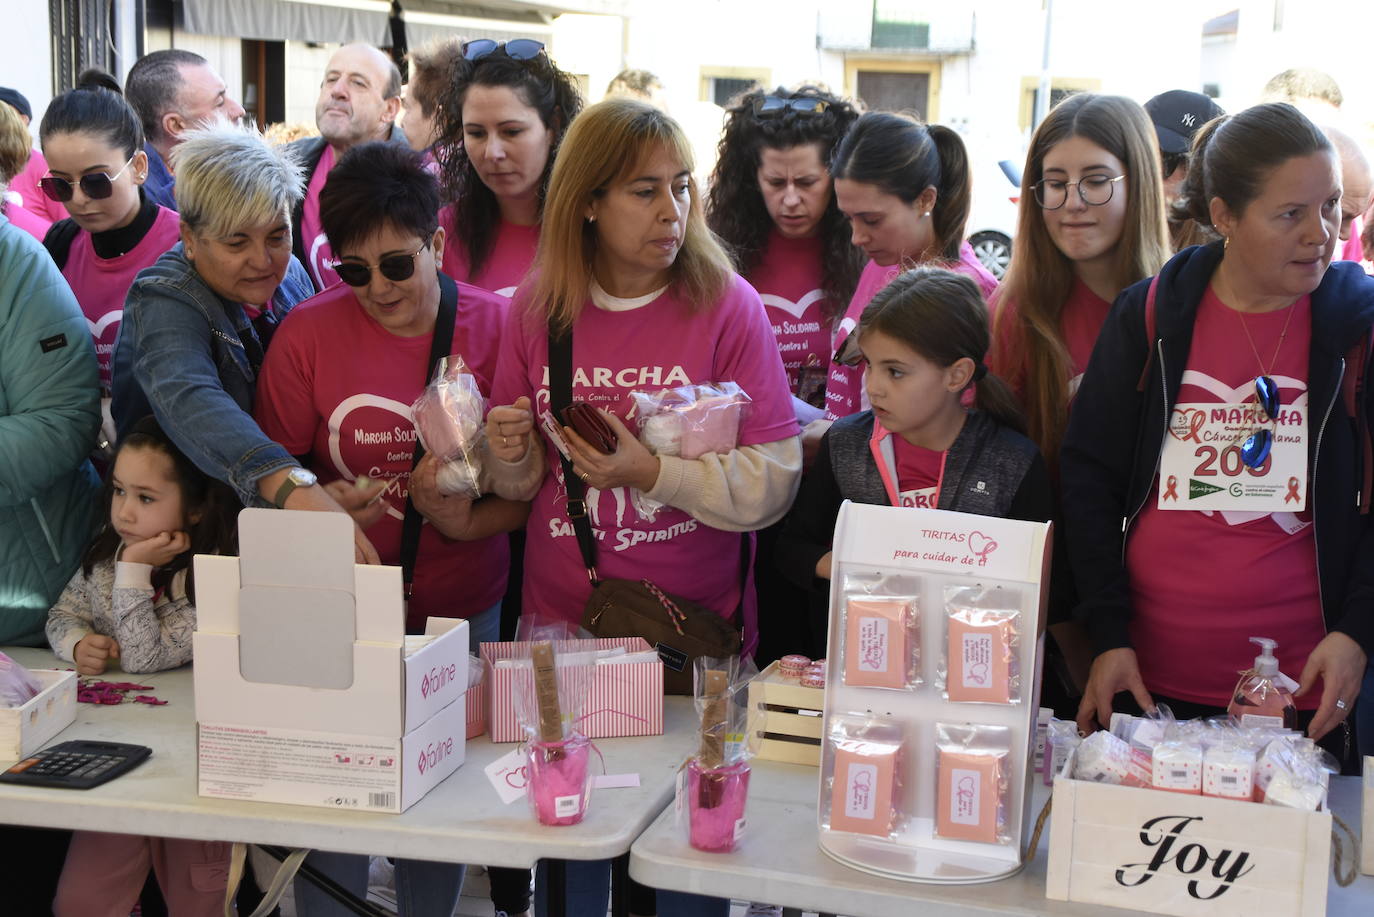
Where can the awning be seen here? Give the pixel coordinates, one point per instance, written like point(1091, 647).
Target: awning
point(337, 21)
point(433, 21)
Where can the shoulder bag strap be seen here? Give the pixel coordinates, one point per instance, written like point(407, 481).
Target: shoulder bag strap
point(439, 346)
point(560, 397)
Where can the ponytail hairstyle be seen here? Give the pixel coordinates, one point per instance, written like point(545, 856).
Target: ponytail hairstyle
point(903, 157)
point(1030, 343)
point(538, 83)
point(735, 208)
point(941, 315)
point(1233, 155)
point(213, 504)
point(94, 107)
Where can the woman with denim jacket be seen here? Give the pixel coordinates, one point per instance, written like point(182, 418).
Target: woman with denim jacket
point(198, 322)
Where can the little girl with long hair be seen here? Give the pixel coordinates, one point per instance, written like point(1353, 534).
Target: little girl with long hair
point(132, 600)
point(924, 338)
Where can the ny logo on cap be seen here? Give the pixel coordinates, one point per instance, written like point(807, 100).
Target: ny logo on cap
point(1188, 119)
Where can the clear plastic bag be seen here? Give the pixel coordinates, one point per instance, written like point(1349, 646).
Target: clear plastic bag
point(550, 691)
point(864, 761)
point(974, 782)
point(688, 422)
point(983, 639)
point(717, 782)
point(1105, 758)
point(449, 421)
point(1061, 740)
point(17, 684)
point(882, 630)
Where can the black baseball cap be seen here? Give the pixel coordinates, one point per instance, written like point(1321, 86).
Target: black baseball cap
point(17, 101)
point(1177, 115)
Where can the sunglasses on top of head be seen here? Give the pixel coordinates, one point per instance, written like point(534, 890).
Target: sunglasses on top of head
point(395, 268)
point(516, 49)
point(777, 106)
point(97, 185)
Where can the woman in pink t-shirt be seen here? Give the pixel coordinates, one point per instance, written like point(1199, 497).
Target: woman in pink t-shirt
point(497, 127)
point(14, 156)
point(1091, 224)
point(627, 266)
point(1219, 394)
point(904, 187)
point(93, 142)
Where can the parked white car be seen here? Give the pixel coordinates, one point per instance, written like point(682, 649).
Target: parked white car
point(992, 216)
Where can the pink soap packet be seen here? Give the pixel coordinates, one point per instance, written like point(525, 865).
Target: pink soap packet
point(973, 782)
point(982, 626)
point(863, 765)
point(882, 642)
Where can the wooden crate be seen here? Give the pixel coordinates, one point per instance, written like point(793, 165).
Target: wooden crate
point(789, 718)
point(1189, 856)
point(25, 729)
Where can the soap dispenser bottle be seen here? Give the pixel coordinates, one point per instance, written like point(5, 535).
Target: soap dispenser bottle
point(1264, 695)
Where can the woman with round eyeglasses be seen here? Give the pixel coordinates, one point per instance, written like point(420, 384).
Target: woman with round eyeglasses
point(349, 419)
point(904, 186)
point(496, 129)
point(93, 143)
point(1215, 451)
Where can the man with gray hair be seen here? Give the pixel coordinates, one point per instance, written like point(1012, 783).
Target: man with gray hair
point(360, 98)
point(174, 91)
point(1357, 192)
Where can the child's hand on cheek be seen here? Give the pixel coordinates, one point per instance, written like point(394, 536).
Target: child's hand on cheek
point(92, 653)
point(157, 551)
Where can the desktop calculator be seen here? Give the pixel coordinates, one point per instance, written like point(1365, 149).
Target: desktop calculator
point(77, 765)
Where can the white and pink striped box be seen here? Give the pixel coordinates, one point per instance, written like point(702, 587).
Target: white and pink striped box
point(626, 697)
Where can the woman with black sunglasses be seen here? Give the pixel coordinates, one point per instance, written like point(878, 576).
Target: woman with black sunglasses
point(93, 143)
point(496, 130)
point(348, 418)
point(1213, 469)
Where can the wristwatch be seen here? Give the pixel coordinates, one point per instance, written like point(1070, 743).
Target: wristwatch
point(296, 477)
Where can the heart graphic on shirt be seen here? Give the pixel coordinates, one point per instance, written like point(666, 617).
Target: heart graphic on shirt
point(336, 423)
point(981, 545)
point(105, 321)
point(1245, 391)
point(507, 292)
point(795, 309)
point(1186, 423)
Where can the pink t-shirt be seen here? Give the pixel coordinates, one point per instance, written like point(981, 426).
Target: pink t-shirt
point(101, 284)
point(1200, 586)
point(663, 344)
point(918, 473)
point(30, 222)
point(26, 184)
point(506, 264)
point(319, 257)
point(338, 386)
point(789, 280)
point(844, 387)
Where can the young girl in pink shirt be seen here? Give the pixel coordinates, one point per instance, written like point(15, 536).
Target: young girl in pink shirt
point(93, 142)
point(132, 601)
point(904, 187)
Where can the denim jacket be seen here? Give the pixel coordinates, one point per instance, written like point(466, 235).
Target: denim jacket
point(180, 356)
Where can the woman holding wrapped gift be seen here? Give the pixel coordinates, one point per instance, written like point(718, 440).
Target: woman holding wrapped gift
point(628, 267)
point(904, 186)
point(1226, 533)
point(497, 127)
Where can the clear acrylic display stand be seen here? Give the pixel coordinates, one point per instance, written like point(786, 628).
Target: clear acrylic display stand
point(937, 549)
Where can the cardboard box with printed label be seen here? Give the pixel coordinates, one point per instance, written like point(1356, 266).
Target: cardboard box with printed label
point(27, 728)
point(1186, 855)
point(306, 692)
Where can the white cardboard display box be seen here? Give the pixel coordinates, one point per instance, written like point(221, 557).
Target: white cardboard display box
point(290, 704)
point(27, 728)
point(1189, 856)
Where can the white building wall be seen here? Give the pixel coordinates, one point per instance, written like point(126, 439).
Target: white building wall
point(305, 65)
point(27, 63)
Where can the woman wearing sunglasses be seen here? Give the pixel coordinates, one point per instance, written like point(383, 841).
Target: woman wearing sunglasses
point(1212, 464)
point(93, 143)
point(628, 266)
point(904, 187)
point(497, 128)
point(198, 323)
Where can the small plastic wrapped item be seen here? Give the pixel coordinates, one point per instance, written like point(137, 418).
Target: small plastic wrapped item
point(1177, 766)
point(17, 684)
point(448, 419)
point(718, 775)
point(550, 692)
point(1228, 771)
point(688, 422)
point(793, 665)
point(865, 781)
point(1104, 758)
point(881, 638)
point(974, 783)
point(983, 638)
point(1061, 739)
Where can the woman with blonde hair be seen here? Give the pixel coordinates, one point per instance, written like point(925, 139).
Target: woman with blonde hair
point(1091, 224)
point(632, 291)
